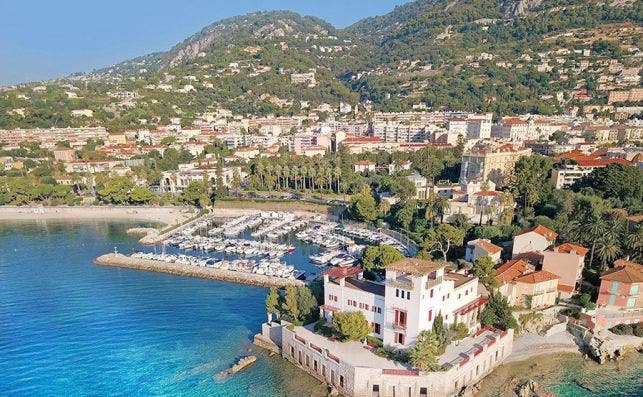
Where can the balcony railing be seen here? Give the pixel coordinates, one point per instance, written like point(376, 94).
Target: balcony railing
point(433, 282)
point(399, 326)
point(400, 283)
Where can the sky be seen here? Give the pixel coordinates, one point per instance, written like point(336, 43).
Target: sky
point(42, 39)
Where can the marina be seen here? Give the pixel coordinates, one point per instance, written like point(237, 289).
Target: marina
point(275, 246)
point(264, 266)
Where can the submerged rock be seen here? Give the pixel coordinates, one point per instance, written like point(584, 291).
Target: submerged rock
point(531, 388)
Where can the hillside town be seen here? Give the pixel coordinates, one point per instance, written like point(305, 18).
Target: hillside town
point(470, 192)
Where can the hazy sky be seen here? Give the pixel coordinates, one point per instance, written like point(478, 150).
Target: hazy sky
point(41, 39)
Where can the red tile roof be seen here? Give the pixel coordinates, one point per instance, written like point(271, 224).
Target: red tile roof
point(537, 277)
point(489, 193)
point(487, 246)
point(510, 270)
point(513, 121)
point(568, 248)
point(565, 288)
point(547, 233)
point(343, 272)
point(624, 271)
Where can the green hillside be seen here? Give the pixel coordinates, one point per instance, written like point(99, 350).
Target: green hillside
point(485, 55)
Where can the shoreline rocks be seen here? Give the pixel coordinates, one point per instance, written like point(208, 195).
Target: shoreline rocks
point(242, 364)
point(531, 388)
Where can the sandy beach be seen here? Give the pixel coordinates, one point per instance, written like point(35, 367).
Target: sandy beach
point(168, 215)
point(532, 345)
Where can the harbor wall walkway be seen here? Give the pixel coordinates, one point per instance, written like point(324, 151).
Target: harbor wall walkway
point(124, 261)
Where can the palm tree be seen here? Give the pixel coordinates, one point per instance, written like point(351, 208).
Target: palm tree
point(441, 204)
point(285, 172)
point(337, 172)
point(608, 249)
point(304, 174)
point(259, 170)
point(294, 171)
point(312, 173)
point(329, 177)
point(430, 212)
point(278, 171)
point(590, 230)
point(268, 171)
point(634, 243)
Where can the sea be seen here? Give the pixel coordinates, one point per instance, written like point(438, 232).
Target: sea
point(71, 328)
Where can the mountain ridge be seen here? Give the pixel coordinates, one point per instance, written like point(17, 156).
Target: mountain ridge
point(500, 56)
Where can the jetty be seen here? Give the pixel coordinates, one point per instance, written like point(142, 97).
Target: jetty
point(242, 364)
point(128, 262)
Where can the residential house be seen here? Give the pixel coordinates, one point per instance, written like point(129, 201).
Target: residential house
point(621, 286)
point(364, 166)
point(535, 239)
point(522, 285)
point(567, 262)
point(482, 247)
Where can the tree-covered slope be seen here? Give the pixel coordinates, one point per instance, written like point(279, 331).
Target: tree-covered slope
point(502, 56)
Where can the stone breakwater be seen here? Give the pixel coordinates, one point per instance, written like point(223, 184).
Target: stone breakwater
point(124, 261)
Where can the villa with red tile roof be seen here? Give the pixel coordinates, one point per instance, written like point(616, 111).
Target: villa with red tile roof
point(523, 286)
point(537, 238)
point(364, 166)
point(621, 286)
point(567, 262)
point(482, 247)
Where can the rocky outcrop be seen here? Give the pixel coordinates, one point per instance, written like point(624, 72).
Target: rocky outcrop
point(242, 364)
point(531, 388)
point(605, 346)
point(518, 8)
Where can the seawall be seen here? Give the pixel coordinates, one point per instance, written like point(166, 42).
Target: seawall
point(124, 261)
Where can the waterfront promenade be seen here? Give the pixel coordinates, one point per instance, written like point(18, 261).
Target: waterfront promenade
point(167, 215)
point(124, 261)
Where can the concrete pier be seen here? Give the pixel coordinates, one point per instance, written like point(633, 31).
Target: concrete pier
point(120, 260)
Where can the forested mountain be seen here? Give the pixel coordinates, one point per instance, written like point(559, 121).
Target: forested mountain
point(503, 56)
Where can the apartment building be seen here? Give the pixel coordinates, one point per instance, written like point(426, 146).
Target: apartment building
point(399, 132)
point(523, 286)
point(567, 172)
point(481, 162)
point(567, 262)
point(48, 137)
point(621, 286)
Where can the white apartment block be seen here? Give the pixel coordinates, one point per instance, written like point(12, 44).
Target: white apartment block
point(48, 137)
point(398, 132)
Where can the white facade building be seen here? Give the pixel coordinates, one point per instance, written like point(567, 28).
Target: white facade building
point(415, 292)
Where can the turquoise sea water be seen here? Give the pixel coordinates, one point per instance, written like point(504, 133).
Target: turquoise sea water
point(71, 328)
